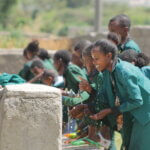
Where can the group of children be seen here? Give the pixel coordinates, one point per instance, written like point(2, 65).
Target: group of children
point(105, 85)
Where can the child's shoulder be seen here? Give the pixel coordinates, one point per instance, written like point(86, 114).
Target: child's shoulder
point(28, 64)
point(131, 44)
point(126, 69)
point(73, 67)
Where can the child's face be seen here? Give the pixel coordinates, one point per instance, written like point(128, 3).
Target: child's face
point(36, 70)
point(88, 63)
point(101, 60)
point(48, 81)
point(77, 58)
point(29, 55)
point(116, 28)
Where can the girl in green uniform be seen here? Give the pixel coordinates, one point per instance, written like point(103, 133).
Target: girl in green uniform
point(70, 72)
point(94, 104)
point(47, 60)
point(31, 52)
point(128, 83)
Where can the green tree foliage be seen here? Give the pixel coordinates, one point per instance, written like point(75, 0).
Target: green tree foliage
point(5, 10)
point(77, 3)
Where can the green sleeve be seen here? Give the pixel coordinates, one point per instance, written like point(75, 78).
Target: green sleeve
point(24, 72)
point(71, 101)
point(48, 64)
point(135, 99)
point(75, 74)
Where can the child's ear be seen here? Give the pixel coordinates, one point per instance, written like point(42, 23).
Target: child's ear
point(109, 55)
point(50, 80)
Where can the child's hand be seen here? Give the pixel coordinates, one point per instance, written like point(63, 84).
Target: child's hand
point(102, 114)
point(84, 85)
point(87, 112)
point(75, 111)
point(64, 93)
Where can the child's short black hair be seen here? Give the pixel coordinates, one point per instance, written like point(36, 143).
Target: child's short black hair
point(140, 59)
point(63, 55)
point(33, 47)
point(106, 47)
point(43, 54)
point(37, 63)
point(87, 51)
point(81, 45)
point(122, 19)
point(49, 73)
point(113, 37)
point(128, 55)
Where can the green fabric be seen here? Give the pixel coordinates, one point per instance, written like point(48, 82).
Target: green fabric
point(71, 101)
point(96, 97)
point(146, 71)
point(133, 90)
point(84, 70)
point(25, 72)
point(140, 137)
point(6, 79)
point(48, 64)
point(130, 44)
point(127, 129)
point(71, 76)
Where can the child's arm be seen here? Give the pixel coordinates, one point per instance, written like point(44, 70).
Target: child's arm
point(72, 101)
point(36, 78)
point(84, 85)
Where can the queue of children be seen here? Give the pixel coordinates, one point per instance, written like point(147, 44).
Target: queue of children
point(105, 86)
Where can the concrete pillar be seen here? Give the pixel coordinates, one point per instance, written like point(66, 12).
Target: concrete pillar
point(30, 118)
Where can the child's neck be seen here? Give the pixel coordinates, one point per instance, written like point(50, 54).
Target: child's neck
point(124, 39)
point(62, 69)
point(111, 65)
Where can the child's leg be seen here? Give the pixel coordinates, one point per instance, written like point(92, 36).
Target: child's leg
point(92, 130)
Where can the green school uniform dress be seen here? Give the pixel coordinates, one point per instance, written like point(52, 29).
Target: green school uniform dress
point(129, 44)
point(84, 97)
point(48, 64)
point(71, 76)
point(146, 71)
point(133, 90)
point(7, 79)
point(95, 80)
point(25, 72)
point(96, 103)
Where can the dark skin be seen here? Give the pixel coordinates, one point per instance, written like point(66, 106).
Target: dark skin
point(77, 59)
point(122, 31)
point(60, 66)
point(102, 62)
point(38, 72)
point(48, 81)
